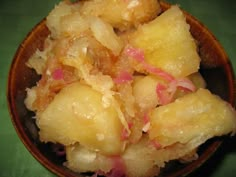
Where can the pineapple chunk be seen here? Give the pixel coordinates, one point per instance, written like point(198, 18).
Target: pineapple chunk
point(199, 115)
point(77, 114)
point(122, 14)
point(168, 44)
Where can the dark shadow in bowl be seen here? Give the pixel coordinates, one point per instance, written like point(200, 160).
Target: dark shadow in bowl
point(209, 167)
point(215, 67)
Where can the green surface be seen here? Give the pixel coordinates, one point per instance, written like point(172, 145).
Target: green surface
point(17, 17)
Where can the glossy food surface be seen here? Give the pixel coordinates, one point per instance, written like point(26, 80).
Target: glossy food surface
point(8, 128)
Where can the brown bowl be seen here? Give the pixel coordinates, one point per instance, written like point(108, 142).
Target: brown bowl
point(215, 68)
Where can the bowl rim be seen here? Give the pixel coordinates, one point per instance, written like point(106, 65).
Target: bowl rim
point(13, 115)
point(189, 168)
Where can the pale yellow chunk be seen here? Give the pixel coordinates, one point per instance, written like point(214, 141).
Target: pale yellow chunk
point(193, 117)
point(138, 160)
point(122, 14)
point(53, 19)
point(77, 114)
point(81, 159)
point(73, 24)
point(197, 80)
point(105, 34)
point(144, 90)
point(168, 44)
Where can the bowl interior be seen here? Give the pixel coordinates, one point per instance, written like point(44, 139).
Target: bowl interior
point(215, 68)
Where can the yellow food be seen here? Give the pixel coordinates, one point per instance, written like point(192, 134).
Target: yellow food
point(54, 18)
point(81, 159)
point(195, 117)
point(146, 98)
point(198, 80)
point(105, 34)
point(168, 44)
point(77, 114)
point(137, 158)
point(122, 14)
point(120, 88)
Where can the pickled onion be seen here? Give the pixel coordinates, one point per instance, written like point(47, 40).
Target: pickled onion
point(165, 93)
point(123, 77)
point(125, 133)
point(135, 53)
point(185, 84)
point(138, 55)
point(58, 74)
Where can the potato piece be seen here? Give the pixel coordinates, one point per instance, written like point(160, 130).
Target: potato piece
point(197, 80)
point(53, 19)
point(77, 114)
point(146, 98)
point(81, 159)
point(78, 58)
point(168, 44)
point(139, 159)
point(136, 161)
point(196, 116)
point(122, 14)
point(175, 151)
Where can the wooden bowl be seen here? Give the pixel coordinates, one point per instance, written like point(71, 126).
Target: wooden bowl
point(215, 64)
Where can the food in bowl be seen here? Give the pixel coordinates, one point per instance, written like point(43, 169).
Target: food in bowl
point(121, 90)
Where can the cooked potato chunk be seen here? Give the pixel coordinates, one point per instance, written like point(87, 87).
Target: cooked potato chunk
point(198, 80)
point(146, 98)
point(81, 159)
point(168, 44)
point(138, 160)
point(77, 115)
point(122, 14)
point(199, 115)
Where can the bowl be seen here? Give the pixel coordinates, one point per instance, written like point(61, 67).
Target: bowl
point(214, 64)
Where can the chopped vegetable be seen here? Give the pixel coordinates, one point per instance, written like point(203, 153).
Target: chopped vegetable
point(123, 77)
point(58, 74)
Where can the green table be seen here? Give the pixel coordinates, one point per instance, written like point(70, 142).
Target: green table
point(17, 17)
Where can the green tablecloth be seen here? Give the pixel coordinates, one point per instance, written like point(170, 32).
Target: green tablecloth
point(17, 17)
